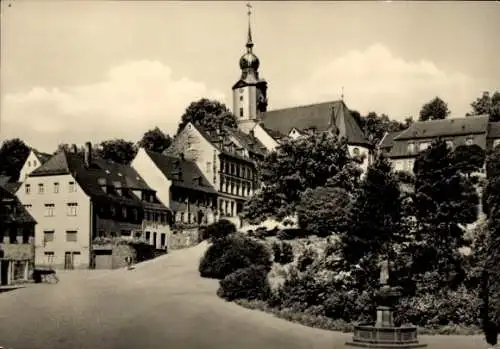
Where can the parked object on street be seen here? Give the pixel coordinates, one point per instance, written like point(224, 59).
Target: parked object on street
point(47, 275)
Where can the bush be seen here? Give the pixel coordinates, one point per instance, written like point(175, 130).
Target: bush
point(226, 255)
point(460, 307)
point(219, 229)
point(248, 283)
point(283, 252)
point(306, 259)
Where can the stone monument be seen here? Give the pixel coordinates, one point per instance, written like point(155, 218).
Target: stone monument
point(383, 334)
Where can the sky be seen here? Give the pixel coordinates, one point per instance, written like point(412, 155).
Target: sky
point(77, 71)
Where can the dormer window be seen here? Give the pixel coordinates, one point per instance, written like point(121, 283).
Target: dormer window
point(356, 151)
point(469, 141)
point(450, 144)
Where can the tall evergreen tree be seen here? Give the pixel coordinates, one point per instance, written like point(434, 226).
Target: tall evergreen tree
point(444, 201)
point(375, 216)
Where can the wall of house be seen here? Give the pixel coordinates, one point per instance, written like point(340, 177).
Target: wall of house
point(269, 142)
point(31, 163)
point(53, 252)
point(197, 148)
point(146, 168)
point(152, 232)
point(403, 164)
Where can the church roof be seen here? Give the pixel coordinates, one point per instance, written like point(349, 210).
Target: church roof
point(320, 116)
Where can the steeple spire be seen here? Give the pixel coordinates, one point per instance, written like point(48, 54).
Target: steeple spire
point(249, 39)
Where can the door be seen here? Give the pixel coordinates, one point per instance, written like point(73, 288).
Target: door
point(103, 259)
point(68, 260)
point(154, 240)
point(163, 240)
point(4, 272)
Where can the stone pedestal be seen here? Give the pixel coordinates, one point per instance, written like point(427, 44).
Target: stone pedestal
point(384, 317)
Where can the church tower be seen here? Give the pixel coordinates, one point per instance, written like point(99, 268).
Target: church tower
point(249, 92)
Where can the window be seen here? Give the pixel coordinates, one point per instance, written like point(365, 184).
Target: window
point(126, 233)
point(450, 144)
point(72, 187)
point(49, 257)
point(209, 166)
point(112, 210)
point(71, 235)
point(71, 208)
point(27, 188)
point(241, 112)
point(241, 90)
point(28, 206)
point(56, 188)
point(411, 147)
point(241, 98)
point(182, 217)
point(40, 188)
point(355, 151)
point(34, 163)
point(135, 214)
point(29, 163)
point(49, 210)
point(124, 212)
point(423, 146)
point(469, 141)
point(148, 235)
point(48, 236)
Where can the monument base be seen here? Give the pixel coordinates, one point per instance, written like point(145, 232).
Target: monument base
point(387, 337)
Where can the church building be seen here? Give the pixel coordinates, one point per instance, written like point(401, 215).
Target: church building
point(250, 104)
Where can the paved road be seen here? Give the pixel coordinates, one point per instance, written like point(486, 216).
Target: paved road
point(161, 304)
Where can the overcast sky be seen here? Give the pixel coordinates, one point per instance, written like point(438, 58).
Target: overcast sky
point(73, 71)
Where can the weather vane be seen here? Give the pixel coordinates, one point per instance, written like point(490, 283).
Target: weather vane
point(249, 6)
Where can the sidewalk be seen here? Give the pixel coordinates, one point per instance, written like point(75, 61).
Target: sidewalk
point(7, 288)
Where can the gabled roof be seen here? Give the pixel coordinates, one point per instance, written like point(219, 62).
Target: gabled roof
point(494, 131)
point(320, 116)
point(89, 177)
point(447, 127)
point(252, 144)
point(20, 214)
point(190, 172)
point(43, 157)
point(386, 141)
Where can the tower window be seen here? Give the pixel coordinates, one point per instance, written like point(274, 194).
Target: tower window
point(241, 98)
point(241, 112)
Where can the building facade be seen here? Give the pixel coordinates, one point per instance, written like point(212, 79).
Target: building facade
point(17, 233)
point(227, 159)
point(78, 198)
point(403, 147)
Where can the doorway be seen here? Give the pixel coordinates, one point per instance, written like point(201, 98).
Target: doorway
point(4, 272)
point(69, 262)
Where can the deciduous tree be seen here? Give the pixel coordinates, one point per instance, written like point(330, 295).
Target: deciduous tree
point(488, 104)
point(436, 109)
point(117, 150)
point(155, 140)
point(304, 163)
point(209, 114)
point(13, 154)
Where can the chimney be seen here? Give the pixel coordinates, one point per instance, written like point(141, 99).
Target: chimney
point(75, 149)
point(88, 154)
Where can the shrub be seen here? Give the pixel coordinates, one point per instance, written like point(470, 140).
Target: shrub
point(460, 307)
point(306, 259)
point(219, 229)
point(231, 253)
point(248, 283)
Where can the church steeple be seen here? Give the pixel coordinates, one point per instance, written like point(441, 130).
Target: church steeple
point(249, 92)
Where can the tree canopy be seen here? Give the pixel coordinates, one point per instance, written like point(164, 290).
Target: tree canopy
point(444, 201)
point(373, 221)
point(488, 104)
point(13, 154)
point(155, 140)
point(117, 150)
point(436, 109)
point(209, 114)
point(297, 165)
